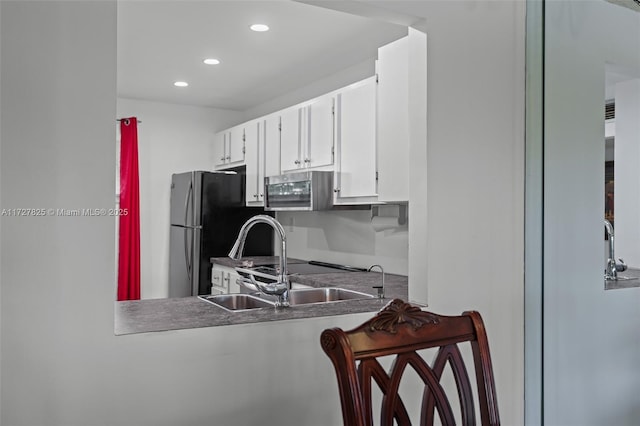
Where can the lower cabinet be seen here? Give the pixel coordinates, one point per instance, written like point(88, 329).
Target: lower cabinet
point(224, 280)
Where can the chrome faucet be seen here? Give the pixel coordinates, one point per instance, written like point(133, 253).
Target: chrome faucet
point(379, 287)
point(613, 267)
point(282, 286)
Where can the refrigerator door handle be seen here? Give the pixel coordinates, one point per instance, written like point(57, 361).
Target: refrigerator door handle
point(187, 251)
point(186, 204)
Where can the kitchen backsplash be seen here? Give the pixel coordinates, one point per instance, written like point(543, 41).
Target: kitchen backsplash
point(345, 237)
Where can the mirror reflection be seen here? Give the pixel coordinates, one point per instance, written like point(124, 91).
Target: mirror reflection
point(189, 70)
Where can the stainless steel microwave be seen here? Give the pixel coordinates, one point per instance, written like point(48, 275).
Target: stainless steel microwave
point(308, 190)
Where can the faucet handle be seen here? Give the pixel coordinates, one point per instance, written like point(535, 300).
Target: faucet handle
point(380, 291)
point(620, 265)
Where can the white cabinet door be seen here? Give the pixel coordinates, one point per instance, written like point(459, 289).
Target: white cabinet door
point(224, 280)
point(271, 146)
point(252, 159)
point(307, 135)
point(318, 125)
point(217, 280)
point(235, 144)
point(356, 171)
point(262, 142)
point(219, 144)
point(262, 154)
point(233, 286)
point(393, 121)
point(290, 139)
point(228, 148)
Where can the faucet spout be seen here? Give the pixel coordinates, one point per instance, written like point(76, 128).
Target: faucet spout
point(282, 286)
point(379, 287)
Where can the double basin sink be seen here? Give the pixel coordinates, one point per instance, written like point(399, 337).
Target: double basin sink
point(303, 296)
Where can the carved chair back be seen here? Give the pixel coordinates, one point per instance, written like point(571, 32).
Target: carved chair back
point(401, 330)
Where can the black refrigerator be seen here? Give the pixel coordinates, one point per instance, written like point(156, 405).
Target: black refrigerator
point(207, 211)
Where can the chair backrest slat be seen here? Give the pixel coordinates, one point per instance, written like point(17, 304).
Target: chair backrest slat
point(402, 330)
point(450, 354)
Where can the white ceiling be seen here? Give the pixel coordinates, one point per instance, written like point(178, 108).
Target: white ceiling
point(160, 42)
point(615, 74)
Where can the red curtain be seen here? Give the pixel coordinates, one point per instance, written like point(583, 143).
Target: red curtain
point(129, 238)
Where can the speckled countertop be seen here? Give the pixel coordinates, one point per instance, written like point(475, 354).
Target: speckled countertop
point(190, 312)
point(632, 273)
point(257, 260)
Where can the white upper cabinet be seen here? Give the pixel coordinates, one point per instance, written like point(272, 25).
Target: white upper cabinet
point(262, 141)
point(361, 132)
point(228, 148)
point(318, 132)
point(355, 171)
point(393, 121)
point(252, 160)
point(271, 146)
point(236, 145)
point(219, 148)
point(308, 135)
point(290, 139)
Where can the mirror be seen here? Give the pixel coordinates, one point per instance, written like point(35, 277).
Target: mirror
point(622, 159)
point(308, 51)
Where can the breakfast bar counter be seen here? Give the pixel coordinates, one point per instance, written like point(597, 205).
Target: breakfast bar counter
point(152, 315)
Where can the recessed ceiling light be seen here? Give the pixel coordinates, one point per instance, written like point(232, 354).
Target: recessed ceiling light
point(211, 61)
point(181, 84)
point(259, 27)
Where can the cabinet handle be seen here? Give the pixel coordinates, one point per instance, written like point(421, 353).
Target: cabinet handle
point(229, 158)
point(336, 190)
point(227, 278)
point(221, 158)
point(306, 160)
point(261, 195)
point(297, 162)
point(255, 195)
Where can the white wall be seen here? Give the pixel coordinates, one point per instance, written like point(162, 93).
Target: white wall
point(0, 223)
point(591, 346)
point(418, 51)
point(474, 174)
point(171, 139)
point(330, 83)
point(61, 364)
point(345, 237)
point(627, 178)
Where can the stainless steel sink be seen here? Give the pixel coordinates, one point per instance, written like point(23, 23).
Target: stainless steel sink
point(304, 296)
point(237, 302)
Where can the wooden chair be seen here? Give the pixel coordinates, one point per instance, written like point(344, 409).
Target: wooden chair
point(401, 329)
